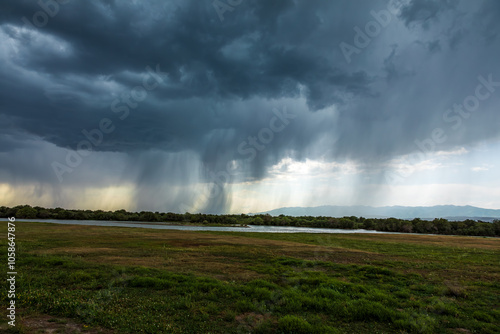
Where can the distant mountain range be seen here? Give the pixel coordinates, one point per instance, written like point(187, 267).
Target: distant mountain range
point(450, 212)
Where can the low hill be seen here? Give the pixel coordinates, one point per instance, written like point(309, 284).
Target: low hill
point(451, 212)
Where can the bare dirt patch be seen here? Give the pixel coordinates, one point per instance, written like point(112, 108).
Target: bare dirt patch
point(46, 324)
point(250, 321)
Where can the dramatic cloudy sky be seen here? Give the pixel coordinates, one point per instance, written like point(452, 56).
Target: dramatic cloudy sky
point(249, 105)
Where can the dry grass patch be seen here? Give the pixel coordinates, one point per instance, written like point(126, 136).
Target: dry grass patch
point(76, 250)
point(434, 240)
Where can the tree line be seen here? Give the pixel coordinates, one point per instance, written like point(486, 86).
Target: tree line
point(417, 225)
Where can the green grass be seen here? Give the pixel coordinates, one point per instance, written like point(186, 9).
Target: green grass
point(158, 281)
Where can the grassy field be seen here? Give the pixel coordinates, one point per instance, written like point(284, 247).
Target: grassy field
point(89, 279)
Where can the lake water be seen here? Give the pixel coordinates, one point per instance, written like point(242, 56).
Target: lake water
point(250, 228)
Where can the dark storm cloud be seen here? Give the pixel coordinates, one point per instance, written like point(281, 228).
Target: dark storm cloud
point(423, 11)
point(220, 80)
point(110, 37)
point(199, 53)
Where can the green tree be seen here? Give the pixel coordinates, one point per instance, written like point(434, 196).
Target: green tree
point(496, 227)
point(258, 221)
point(27, 212)
point(147, 216)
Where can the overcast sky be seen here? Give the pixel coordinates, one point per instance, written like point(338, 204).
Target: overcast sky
point(246, 106)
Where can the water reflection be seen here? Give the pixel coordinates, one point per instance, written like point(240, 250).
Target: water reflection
point(163, 226)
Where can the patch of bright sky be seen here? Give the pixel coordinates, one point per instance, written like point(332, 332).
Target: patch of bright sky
point(108, 198)
point(463, 176)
